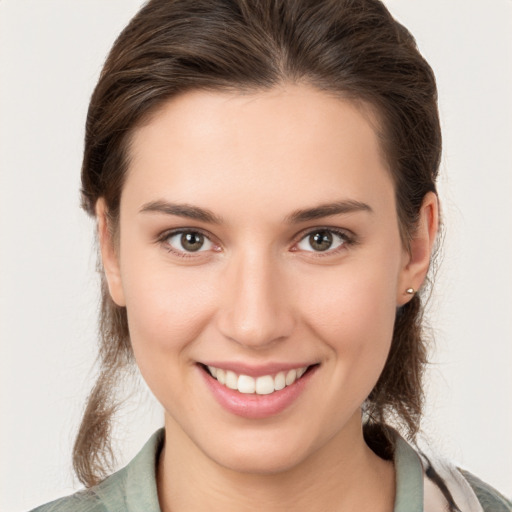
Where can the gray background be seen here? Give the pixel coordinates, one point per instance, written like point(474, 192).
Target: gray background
point(51, 53)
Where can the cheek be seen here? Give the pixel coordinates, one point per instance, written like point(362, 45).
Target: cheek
point(167, 307)
point(353, 313)
point(167, 311)
point(356, 302)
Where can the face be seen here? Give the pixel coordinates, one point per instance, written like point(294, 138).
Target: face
point(259, 250)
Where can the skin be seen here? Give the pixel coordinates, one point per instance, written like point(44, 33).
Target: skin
point(259, 293)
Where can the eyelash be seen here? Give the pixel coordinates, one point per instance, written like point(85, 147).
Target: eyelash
point(348, 239)
point(163, 240)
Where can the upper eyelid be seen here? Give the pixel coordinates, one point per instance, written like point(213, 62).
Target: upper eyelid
point(176, 231)
point(349, 238)
point(343, 232)
point(162, 241)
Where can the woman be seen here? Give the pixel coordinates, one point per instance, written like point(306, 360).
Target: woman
point(263, 179)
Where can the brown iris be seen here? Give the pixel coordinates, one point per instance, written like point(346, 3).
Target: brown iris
point(192, 241)
point(321, 240)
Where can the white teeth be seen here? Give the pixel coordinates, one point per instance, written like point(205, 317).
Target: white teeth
point(290, 377)
point(280, 381)
point(246, 384)
point(231, 380)
point(221, 375)
point(264, 385)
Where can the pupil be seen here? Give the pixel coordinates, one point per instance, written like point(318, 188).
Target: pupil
point(192, 241)
point(321, 241)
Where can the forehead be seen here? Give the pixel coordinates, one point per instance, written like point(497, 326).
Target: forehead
point(293, 143)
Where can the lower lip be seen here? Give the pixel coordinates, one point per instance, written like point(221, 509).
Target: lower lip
point(253, 406)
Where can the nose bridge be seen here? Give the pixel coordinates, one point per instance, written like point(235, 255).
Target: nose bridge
point(256, 312)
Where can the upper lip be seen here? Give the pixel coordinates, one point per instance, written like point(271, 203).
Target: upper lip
point(258, 370)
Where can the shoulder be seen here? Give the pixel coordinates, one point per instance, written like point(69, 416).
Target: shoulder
point(445, 486)
point(132, 488)
point(82, 501)
point(108, 496)
point(490, 499)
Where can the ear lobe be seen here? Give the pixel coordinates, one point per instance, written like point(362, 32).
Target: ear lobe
point(109, 256)
point(417, 260)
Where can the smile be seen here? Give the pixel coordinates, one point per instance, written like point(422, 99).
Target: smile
point(263, 385)
point(257, 393)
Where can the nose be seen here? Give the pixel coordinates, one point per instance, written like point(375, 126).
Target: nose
point(256, 309)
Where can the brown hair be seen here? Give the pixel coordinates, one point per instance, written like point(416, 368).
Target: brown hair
point(353, 48)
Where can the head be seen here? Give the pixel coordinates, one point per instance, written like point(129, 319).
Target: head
point(354, 52)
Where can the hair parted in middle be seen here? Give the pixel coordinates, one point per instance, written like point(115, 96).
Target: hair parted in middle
point(351, 48)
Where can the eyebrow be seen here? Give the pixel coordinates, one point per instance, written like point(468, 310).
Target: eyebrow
point(204, 215)
point(181, 210)
point(328, 209)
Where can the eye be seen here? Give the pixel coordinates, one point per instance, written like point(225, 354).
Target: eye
point(188, 241)
point(322, 240)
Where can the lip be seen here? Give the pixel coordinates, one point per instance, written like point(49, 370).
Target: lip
point(253, 406)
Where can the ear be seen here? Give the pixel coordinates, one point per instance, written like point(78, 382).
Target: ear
point(417, 259)
point(109, 254)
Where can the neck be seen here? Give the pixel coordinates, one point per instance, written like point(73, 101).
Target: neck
point(343, 475)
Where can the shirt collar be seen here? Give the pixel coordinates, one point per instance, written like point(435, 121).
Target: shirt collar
point(409, 478)
point(135, 485)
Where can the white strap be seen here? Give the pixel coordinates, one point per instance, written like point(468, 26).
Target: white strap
point(462, 493)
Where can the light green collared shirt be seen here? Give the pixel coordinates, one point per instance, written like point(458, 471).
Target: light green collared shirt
point(133, 488)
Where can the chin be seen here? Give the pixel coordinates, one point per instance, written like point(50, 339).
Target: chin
point(258, 461)
point(263, 451)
